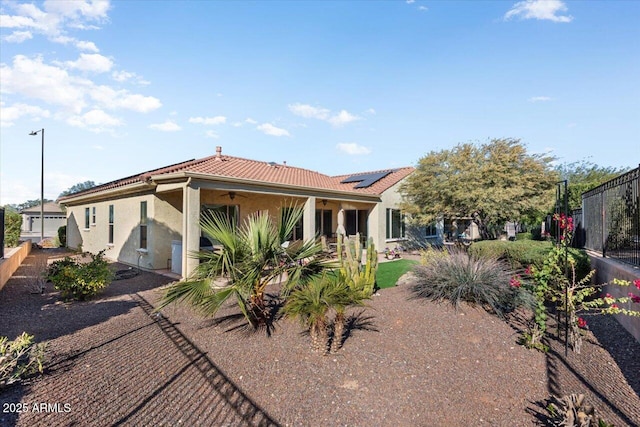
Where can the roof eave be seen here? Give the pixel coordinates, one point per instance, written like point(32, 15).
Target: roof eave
point(128, 189)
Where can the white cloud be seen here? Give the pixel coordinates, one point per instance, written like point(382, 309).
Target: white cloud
point(217, 120)
point(539, 9)
point(423, 8)
point(324, 114)
point(371, 111)
point(91, 62)
point(97, 147)
point(168, 126)
point(540, 99)
point(35, 79)
point(352, 148)
point(18, 37)
point(251, 121)
point(56, 17)
point(16, 111)
point(211, 134)
point(342, 118)
point(95, 121)
point(88, 46)
point(269, 129)
point(125, 76)
point(113, 99)
point(411, 1)
point(308, 111)
point(54, 85)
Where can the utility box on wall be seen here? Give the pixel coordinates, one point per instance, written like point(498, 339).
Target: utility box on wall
point(176, 257)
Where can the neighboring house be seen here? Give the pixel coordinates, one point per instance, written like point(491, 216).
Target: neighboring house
point(153, 219)
point(54, 218)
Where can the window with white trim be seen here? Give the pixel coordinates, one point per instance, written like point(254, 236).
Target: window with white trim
point(395, 224)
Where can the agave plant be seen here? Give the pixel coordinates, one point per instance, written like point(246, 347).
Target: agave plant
point(572, 411)
point(251, 257)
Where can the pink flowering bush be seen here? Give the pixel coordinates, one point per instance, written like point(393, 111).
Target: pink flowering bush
point(573, 295)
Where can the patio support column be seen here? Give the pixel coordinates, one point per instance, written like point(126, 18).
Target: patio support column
point(309, 220)
point(190, 228)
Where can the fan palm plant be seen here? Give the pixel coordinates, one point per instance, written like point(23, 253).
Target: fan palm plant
point(311, 304)
point(251, 257)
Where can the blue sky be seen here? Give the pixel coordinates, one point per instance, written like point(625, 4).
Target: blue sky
point(122, 87)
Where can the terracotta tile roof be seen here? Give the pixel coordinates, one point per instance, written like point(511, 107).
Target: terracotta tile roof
point(223, 166)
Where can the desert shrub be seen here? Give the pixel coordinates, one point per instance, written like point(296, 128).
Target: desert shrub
point(430, 254)
point(12, 226)
point(62, 236)
point(521, 254)
point(19, 358)
point(80, 280)
point(460, 277)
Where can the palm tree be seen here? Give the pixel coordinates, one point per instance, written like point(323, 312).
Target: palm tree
point(311, 304)
point(251, 257)
point(339, 300)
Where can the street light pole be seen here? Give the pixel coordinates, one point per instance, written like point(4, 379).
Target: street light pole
point(41, 185)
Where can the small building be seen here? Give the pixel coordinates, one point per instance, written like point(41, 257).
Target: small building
point(153, 219)
point(54, 218)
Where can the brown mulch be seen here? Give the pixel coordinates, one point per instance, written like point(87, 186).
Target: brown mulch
point(405, 362)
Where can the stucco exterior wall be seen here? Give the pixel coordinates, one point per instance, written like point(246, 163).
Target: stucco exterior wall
point(390, 199)
point(126, 236)
point(608, 269)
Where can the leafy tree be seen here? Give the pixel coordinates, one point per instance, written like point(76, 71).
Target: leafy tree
point(583, 176)
point(12, 227)
point(81, 186)
point(492, 183)
point(251, 257)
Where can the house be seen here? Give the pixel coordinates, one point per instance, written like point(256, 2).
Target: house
point(54, 218)
point(152, 219)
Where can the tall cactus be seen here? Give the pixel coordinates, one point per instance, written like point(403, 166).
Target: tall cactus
point(360, 278)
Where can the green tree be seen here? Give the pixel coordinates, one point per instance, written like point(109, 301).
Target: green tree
point(583, 176)
point(12, 226)
point(81, 186)
point(492, 183)
point(251, 257)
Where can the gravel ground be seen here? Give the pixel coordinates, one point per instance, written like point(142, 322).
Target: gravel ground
point(112, 361)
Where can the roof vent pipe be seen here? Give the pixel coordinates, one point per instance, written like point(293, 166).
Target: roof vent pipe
point(218, 152)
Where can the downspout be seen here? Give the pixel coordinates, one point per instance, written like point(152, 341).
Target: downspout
point(185, 228)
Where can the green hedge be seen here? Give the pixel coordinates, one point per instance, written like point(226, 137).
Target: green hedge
point(523, 253)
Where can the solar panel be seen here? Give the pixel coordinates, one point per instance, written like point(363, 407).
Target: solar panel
point(366, 179)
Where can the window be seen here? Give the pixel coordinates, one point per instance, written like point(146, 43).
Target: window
point(86, 218)
point(324, 222)
point(395, 224)
point(230, 212)
point(297, 233)
point(143, 225)
point(93, 215)
point(430, 230)
point(111, 224)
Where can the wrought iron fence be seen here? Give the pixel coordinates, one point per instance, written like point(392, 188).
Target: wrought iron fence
point(611, 218)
